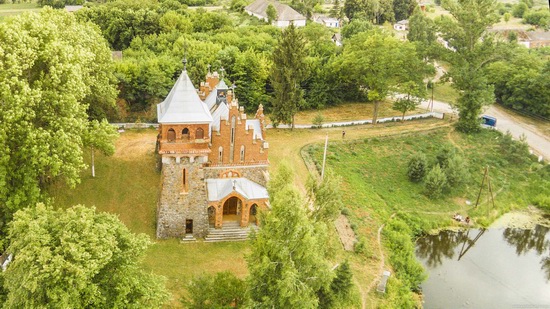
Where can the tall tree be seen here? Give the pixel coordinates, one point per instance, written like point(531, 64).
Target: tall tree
point(51, 69)
point(77, 258)
point(287, 72)
point(471, 49)
point(271, 13)
point(286, 263)
point(378, 63)
point(422, 32)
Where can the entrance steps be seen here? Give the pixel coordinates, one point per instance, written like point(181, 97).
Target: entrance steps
point(230, 231)
point(188, 238)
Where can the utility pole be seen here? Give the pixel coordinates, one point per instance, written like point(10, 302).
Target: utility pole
point(486, 176)
point(324, 157)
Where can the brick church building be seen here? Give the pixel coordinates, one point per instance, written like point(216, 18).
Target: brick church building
point(214, 160)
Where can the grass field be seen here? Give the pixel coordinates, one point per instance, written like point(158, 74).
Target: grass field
point(348, 112)
point(17, 8)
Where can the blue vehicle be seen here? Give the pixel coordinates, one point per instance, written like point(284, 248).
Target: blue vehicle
point(488, 121)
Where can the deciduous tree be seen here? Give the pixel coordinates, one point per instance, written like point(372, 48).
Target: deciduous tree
point(471, 49)
point(52, 69)
point(77, 258)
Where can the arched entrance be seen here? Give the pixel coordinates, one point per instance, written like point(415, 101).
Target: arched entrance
point(232, 209)
point(252, 215)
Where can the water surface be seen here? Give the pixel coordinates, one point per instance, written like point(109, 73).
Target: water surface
point(497, 268)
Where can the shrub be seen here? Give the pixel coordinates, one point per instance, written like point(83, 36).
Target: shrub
point(345, 212)
point(318, 120)
point(456, 171)
point(445, 153)
point(539, 18)
point(417, 167)
point(515, 151)
point(360, 246)
point(223, 290)
point(519, 10)
point(436, 181)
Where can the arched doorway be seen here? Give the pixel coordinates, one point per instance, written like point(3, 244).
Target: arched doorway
point(252, 217)
point(232, 209)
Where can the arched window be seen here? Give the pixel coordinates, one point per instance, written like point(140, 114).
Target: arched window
point(232, 140)
point(242, 153)
point(171, 136)
point(220, 157)
point(185, 134)
point(199, 134)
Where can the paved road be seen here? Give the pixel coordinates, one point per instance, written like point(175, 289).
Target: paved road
point(537, 140)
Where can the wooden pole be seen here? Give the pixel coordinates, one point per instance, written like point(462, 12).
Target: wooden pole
point(481, 187)
point(93, 165)
point(490, 188)
point(324, 158)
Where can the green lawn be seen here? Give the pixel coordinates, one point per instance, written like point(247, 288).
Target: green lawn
point(444, 93)
point(17, 8)
point(375, 173)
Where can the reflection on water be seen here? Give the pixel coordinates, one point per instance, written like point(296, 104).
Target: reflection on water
point(487, 269)
point(531, 240)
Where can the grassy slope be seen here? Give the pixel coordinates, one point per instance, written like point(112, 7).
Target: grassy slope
point(376, 185)
point(17, 8)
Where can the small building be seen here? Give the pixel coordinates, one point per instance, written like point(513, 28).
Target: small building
point(214, 160)
point(381, 288)
point(402, 25)
point(534, 39)
point(337, 39)
point(285, 14)
point(326, 21)
point(73, 8)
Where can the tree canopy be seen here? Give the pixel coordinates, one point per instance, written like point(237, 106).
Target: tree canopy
point(471, 49)
point(287, 72)
point(53, 69)
point(77, 258)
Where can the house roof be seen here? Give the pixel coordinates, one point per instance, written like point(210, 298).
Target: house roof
point(403, 22)
point(220, 188)
point(284, 12)
point(73, 8)
point(183, 105)
point(256, 128)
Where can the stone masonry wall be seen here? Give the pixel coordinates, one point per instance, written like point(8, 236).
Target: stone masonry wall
point(255, 173)
point(176, 206)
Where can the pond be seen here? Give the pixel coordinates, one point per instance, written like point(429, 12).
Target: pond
point(495, 268)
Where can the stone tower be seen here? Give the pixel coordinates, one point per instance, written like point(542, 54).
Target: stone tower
point(184, 138)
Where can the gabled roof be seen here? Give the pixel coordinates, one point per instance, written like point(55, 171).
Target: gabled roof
point(183, 105)
point(220, 188)
point(211, 98)
point(284, 12)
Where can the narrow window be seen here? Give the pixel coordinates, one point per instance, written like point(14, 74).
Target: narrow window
point(184, 180)
point(220, 158)
point(199, 134)
point(185, 134)
point(232, 141)
point(171, 136)
point(242, 153)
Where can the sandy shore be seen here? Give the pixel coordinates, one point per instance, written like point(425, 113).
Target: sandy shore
point(524, 219)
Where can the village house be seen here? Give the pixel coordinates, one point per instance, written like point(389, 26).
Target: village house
point(285, 14)
point(402, 25)
point(214, 161)
point(326, 21)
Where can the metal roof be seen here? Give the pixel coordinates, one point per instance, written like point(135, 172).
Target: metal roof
point(220, 188)
point(284, 12)
point(256, 128)
point(183, 105)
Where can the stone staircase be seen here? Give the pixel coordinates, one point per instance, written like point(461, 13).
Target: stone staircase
point(230, 231)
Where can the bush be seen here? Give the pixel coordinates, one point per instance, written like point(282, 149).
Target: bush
point(445, 153)
point(417, 167)
point(456, 171)
point(515, 151)
point(519, 10)
point(224, 290)
point(345, 212)
point(436, 182)
point(318, 120)
point(360, 246)
point(539, 18)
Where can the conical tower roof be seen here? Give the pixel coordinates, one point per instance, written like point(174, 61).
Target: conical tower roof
point(183, 105)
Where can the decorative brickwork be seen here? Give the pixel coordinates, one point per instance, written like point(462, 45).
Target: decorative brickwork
point(211, 171)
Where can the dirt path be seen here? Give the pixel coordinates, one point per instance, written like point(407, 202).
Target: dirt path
point(281, 149)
